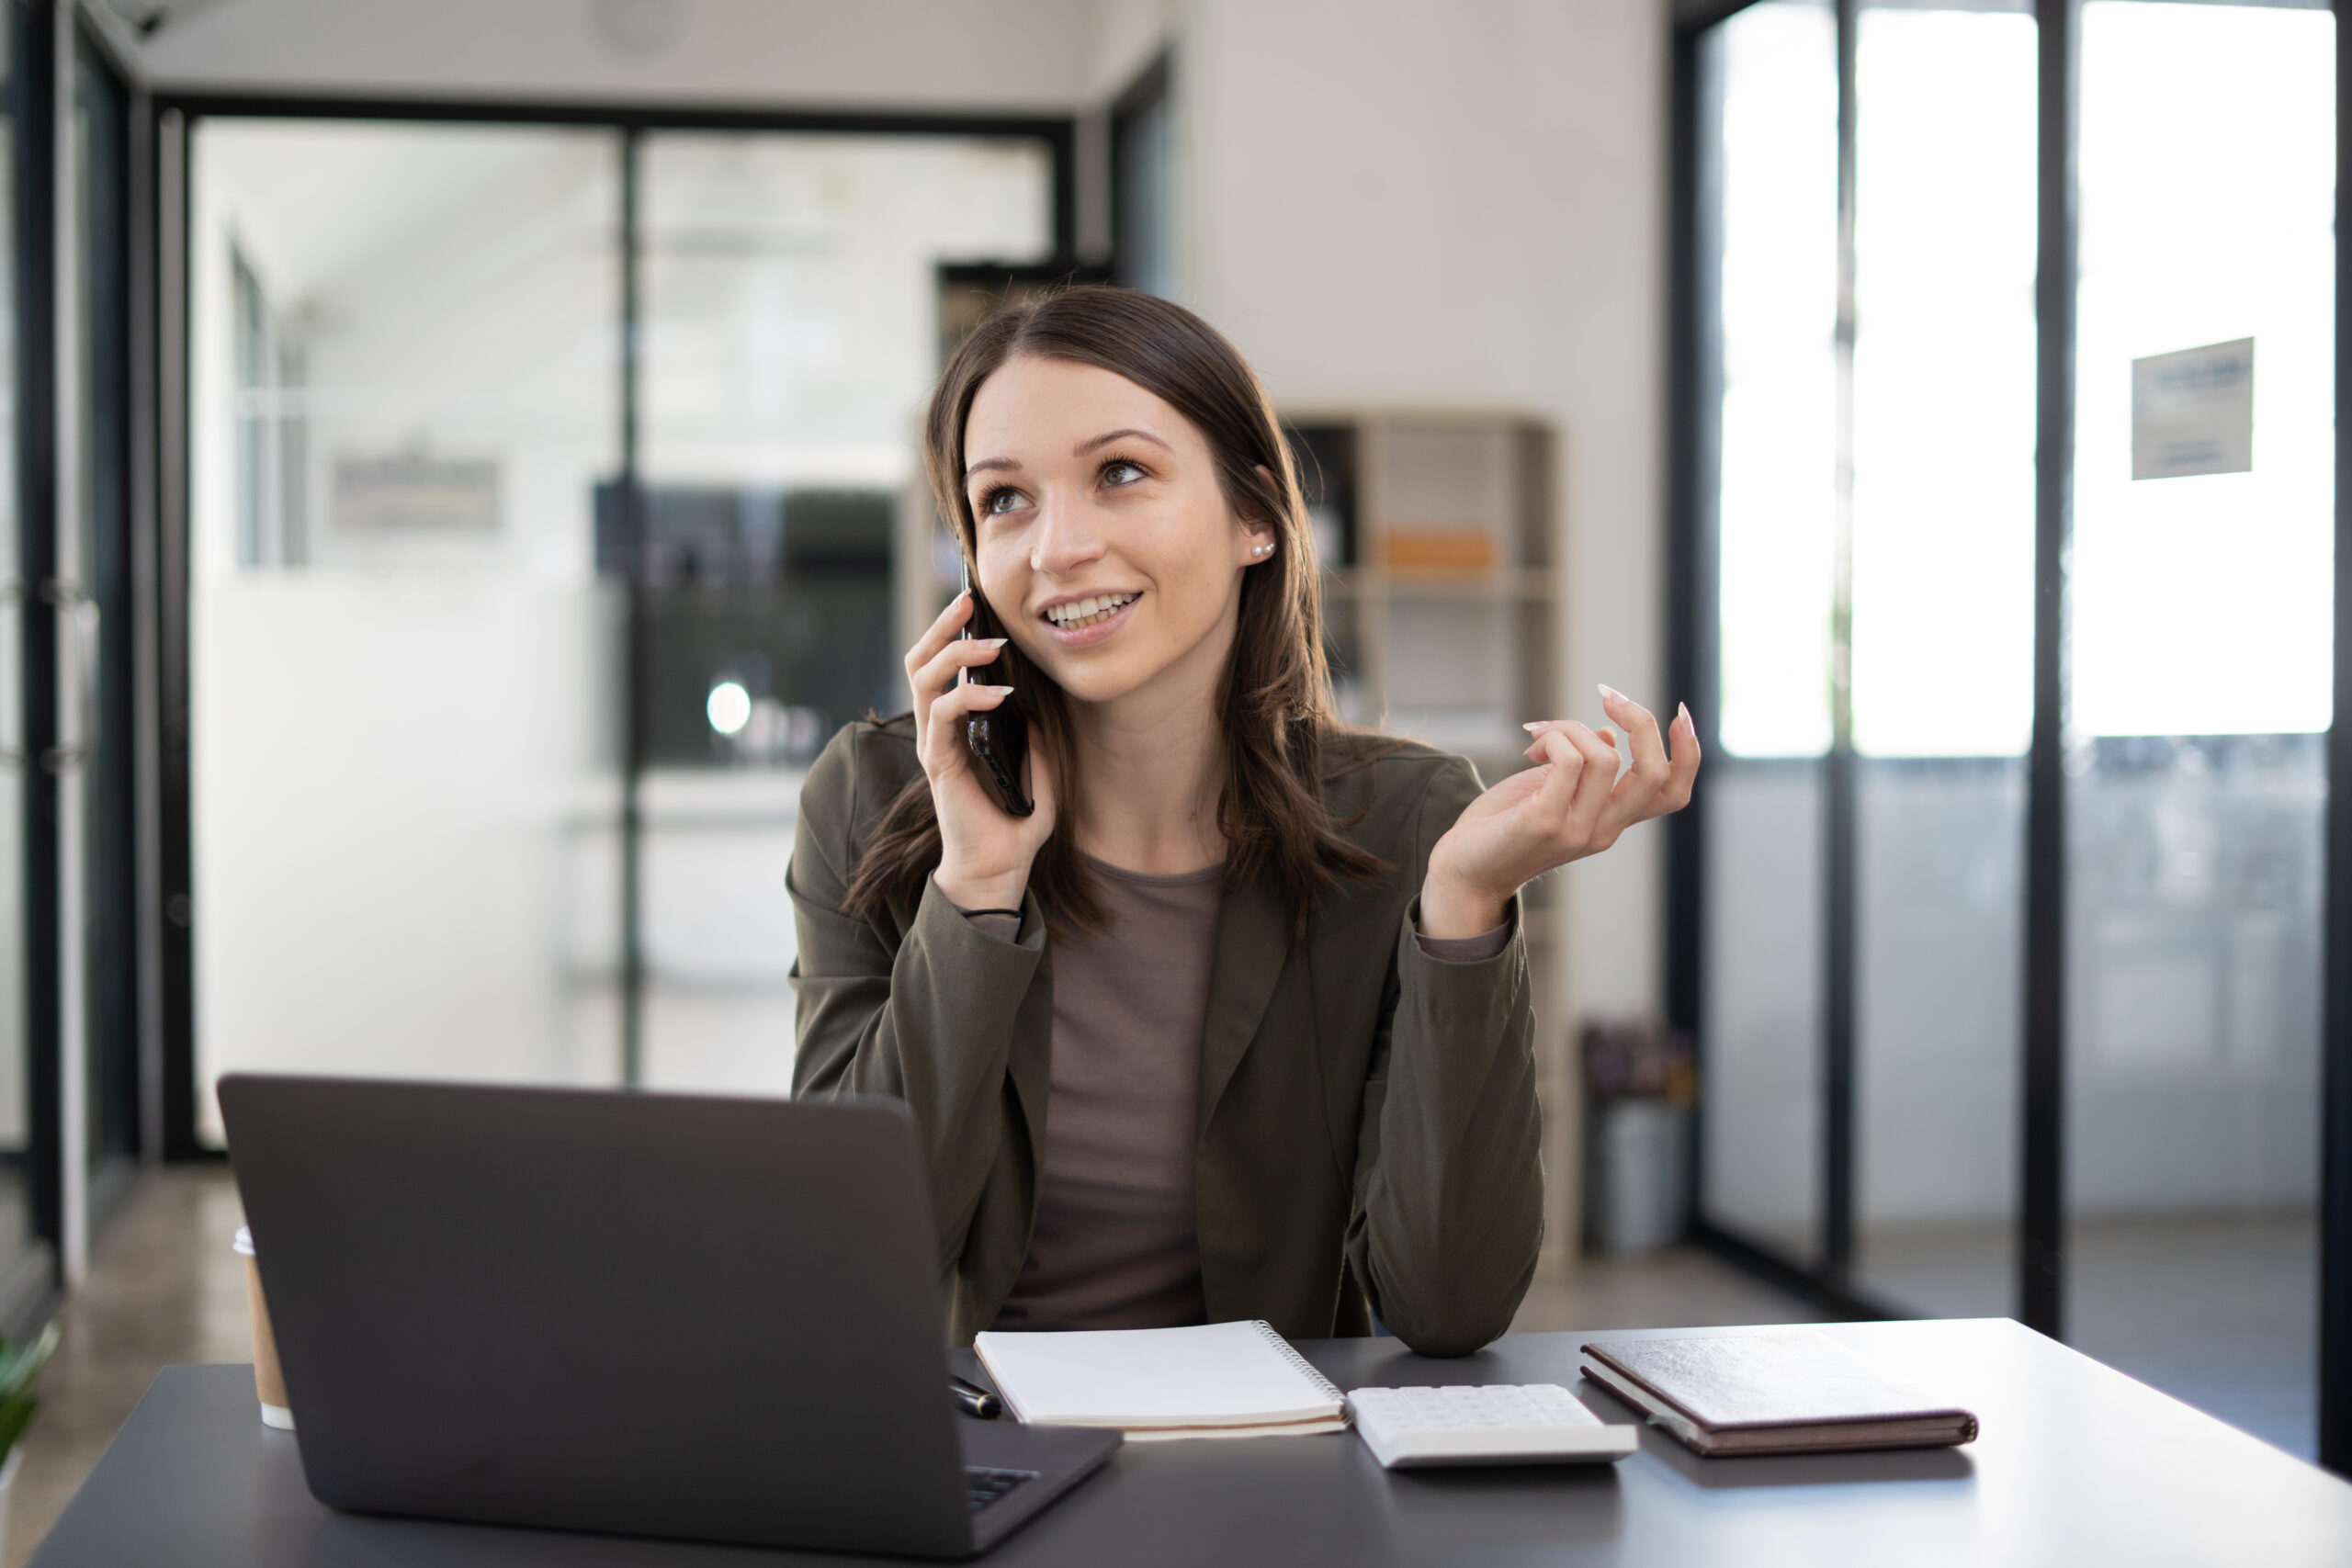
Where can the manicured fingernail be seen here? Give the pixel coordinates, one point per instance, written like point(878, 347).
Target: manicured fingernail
point(1683, 711)
point(1610, 694)
point(996, 641)
point(1006, 690)
point(1536, 726)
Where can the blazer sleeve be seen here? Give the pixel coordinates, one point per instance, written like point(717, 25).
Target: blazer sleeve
point(1449, 1180)
point(924, 1014)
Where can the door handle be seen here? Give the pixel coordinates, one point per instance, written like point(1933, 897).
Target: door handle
point(77, 613)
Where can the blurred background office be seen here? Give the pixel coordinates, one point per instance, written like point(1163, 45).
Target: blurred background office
point(462, 466)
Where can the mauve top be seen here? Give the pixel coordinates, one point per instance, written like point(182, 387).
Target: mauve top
point(1114, 1245)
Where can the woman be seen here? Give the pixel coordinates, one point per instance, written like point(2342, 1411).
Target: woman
point(1235, 1024)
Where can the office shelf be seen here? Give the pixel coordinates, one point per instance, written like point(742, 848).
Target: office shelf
point(1441, 584)
point(1442, 595)
point(1517, 584)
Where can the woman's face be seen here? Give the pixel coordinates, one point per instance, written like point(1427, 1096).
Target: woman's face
point(1106, 545)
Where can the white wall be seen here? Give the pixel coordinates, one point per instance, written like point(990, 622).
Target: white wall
point(1000, 55)
point(1392, 202)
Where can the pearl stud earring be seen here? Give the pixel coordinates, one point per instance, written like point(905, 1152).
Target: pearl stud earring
point(1261, 550)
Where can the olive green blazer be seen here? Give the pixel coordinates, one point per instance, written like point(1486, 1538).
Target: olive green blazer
point(1367, 1122)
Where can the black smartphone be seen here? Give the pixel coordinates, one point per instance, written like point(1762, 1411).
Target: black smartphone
point(999, 738)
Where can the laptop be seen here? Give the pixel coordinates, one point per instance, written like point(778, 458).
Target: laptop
point(649, 1314)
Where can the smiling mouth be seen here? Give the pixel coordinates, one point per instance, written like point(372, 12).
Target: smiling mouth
point(1080, 614)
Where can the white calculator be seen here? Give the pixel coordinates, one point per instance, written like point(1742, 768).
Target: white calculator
point(1538, 1422)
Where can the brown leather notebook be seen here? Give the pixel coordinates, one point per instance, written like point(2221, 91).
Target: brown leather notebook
point(1772, 1393)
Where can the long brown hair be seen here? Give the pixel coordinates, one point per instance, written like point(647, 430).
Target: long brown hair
point(1275, 703)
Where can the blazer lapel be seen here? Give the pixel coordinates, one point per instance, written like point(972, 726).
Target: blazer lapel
point(1252, 946)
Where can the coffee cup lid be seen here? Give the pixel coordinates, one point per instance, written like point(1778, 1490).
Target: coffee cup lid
point(245, 1241)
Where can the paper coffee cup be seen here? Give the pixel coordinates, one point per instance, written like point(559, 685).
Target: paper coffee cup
point(269, 1379)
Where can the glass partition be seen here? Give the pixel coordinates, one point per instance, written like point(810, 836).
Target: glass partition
point(791, 336)
point(17, 1227)
point(1772, 152)
point(405, 668)
point(1943, 519)
point(2201, 645)
point(1873, 509)
point(421, 636)
point(96, 819)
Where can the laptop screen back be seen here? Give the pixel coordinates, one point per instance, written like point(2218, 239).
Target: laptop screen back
point(655, 1314)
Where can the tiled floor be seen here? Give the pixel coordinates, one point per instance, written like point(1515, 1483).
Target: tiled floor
point(164, 1288)
point(2222, 1311)
point(2219, 1310)
point(1677, 1288)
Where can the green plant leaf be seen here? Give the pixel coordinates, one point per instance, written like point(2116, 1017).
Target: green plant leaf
point(15, 1414)
point(19, 1367)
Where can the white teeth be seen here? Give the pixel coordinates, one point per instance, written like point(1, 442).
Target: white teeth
point(1079, 612)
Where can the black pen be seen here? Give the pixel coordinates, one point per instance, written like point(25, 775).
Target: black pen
point(974, 1400)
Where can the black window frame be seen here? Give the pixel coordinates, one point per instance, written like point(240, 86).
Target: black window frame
point(105, 759)
point(33, 88)
point(1145, 101)
point(51, 50)
point(1693, 655)
point(1694, 664)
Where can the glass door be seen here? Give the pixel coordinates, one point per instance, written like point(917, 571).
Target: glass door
point(1942, 395)
point(1980, 540)
point(555, 495)
point(1868, 388)
point(26, 1261)
point(2201, 595)
point(404, 667)
point(790, 335)
point(91, 596)
point(1769, 134)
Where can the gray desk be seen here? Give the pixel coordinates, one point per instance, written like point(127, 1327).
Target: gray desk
point(2077, 1464)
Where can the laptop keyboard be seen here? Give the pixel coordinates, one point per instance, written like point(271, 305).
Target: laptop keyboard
point(983, 1486)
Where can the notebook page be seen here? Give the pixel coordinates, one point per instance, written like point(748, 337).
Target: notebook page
point(1215, 1374)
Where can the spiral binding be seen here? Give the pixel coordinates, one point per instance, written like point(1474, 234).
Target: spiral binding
point(1289, 1352)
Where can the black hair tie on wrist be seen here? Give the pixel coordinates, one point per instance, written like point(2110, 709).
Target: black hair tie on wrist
point(1015, 913)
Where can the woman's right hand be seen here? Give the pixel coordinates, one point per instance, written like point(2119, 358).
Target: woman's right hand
point(984, 850)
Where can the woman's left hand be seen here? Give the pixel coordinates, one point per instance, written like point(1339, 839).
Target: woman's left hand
point(1573, 804)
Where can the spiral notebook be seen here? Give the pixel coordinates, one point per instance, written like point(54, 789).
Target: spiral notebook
point(1219, 1380)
